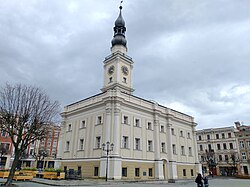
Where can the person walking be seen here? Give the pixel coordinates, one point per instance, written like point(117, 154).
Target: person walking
point(198, 180)
point(205, 179)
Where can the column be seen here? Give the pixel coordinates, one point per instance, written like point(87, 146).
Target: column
point(158, 162)
point(107, 130)
point(115, 161)
point(172, 170)
point(108, 122)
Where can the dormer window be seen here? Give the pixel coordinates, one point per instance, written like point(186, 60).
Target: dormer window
point(124, 79)
point(69, 127)
point(110, 79)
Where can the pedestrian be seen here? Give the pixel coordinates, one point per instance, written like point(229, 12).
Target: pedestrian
point(198, 180)
point(205, 179)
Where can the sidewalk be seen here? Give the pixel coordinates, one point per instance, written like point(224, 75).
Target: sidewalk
point(92, 182)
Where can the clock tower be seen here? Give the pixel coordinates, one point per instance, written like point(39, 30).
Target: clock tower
point(118, 66)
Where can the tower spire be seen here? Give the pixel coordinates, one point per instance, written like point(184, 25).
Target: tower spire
point(119, 31)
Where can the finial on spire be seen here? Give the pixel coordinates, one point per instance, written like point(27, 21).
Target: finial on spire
point(120, 7)
point(119, 30)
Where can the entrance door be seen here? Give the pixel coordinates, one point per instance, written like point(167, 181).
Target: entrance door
point(245, 170)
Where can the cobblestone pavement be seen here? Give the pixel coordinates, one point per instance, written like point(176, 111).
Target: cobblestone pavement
point(215, 182)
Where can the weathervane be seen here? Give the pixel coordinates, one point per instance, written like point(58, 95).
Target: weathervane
point(121, 2)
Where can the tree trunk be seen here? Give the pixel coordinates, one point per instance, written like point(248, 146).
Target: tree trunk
point(12, 170)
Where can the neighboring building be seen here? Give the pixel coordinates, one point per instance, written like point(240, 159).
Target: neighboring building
point(150, 141)
point(6, 148)
point(243, 136)
point(218, 150)
point(42, 154)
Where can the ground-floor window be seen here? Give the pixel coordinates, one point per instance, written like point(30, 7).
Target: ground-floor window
point(192, 172)
point(150, 172)
point(79, 170)
point(137, 172)
point(184, 172)
point(124, 172)
point(96, 171)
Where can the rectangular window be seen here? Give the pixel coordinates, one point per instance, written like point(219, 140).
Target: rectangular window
point(81, 144)
point(67, 146)
point(217, 136)
point(201, 148)
point(209, 147)
point(124, 172)
point(99, 120)
point(226, 157)
point(96, 171)
point(231, 145)
point(218, 146)
point(248, 144)
point(125, 119)
point(220, 157)
point(172, 131)
point(184, 172)
point(125, 142)
point(137, 143)
point(190, 151)
point(181, 133)
point(174, 149)
point(182, 150)
point(69, 127)
point(137, 172)
point(242, 145)
point(83, 124)
point(124, 79)
point(3, 134)
point(79, 170)
point(163, 147)
point(229, 135)
point(243, 155)
point(208, 137)
point(150, 172)
point(149, 125)
point(162, 128)
point(137, 122)
point(150, 145)
point(223, 135)
point(98, 142)
point(224, 146)
point(192, 172)
point(5, 146)
point(199, 138)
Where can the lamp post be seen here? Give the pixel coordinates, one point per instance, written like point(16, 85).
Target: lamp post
point(108, 148)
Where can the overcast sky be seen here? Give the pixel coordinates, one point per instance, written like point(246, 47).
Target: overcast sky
point(190, 55)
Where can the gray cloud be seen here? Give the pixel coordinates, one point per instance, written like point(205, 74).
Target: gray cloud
point(191, 55)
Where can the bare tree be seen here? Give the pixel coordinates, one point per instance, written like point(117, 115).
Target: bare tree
point(25, 114)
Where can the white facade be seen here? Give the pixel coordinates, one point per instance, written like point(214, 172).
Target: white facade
point(150, 141)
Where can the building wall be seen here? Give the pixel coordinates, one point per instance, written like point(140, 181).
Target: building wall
point(139, 113)
point(217, 138)
point(243, 137)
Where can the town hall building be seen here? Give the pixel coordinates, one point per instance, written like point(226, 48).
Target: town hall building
point(118, 135)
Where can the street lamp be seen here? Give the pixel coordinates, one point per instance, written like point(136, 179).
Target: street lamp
point(108, 148)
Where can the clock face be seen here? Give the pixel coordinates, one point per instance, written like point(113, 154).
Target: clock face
point(124, 70)
point(111, 70)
